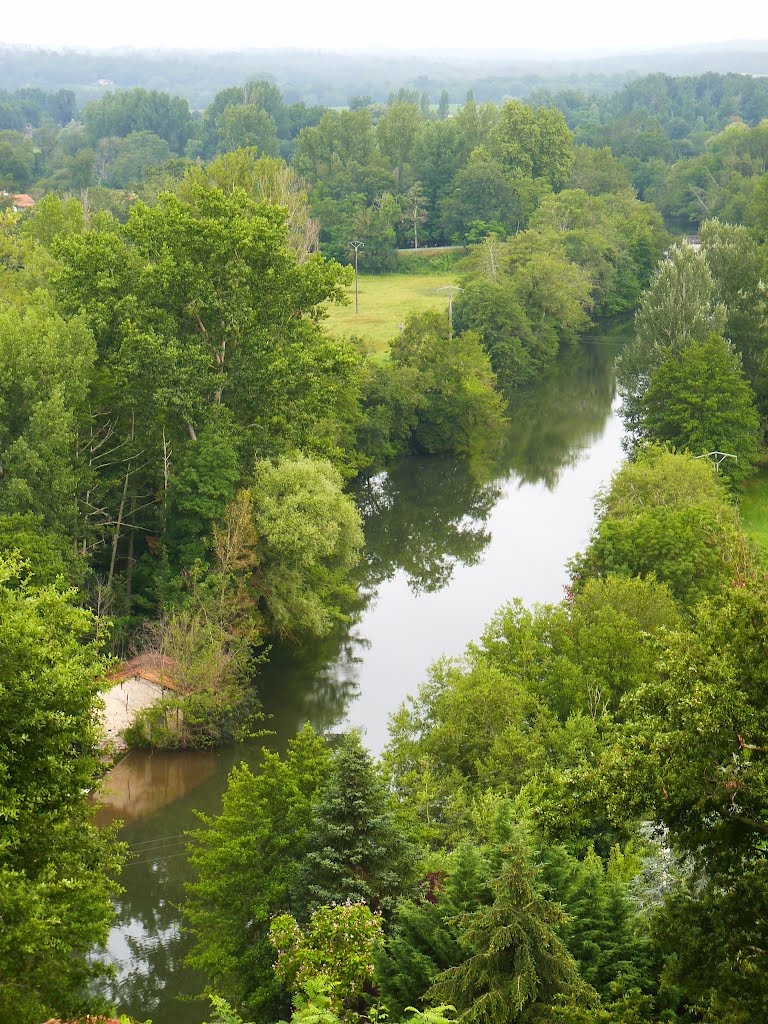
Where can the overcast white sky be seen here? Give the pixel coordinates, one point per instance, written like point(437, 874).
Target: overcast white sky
point(548, 26)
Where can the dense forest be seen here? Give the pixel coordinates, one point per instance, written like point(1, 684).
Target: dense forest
point(568, 824)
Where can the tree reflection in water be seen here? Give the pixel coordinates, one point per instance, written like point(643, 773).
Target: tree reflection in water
point(424, 519)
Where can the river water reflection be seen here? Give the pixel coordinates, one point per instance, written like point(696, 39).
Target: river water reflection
point(447, 542)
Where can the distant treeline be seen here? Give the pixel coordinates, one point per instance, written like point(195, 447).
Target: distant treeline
point(330, 79)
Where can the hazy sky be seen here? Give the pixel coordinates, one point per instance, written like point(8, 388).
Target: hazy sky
point(552, 25)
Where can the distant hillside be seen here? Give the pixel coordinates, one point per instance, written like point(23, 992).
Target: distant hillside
point(331, 79)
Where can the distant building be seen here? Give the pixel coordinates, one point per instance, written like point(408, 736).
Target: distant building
point(136, 685)
point(23, 202)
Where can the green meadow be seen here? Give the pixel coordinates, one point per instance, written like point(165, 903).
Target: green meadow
point(754, 507)
point(385, 301)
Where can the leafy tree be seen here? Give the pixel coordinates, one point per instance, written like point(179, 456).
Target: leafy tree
point(54, 217)
point(204, 485)
point(470, 729)
point(481, 191)
point(45, 554)
point(388, 402)
point(138, 110)
point(396, 134)
point(240, 127)
point(518, 962)
point(679, 306)
point(737, 265)
point(337, 949)
point(692, 754)
point(554, 292)
point(374, 225)
point(135, 156)
point(264, 179)
point(458, 405)
point(585, 655)
point(534, 141)
point(55, 867)
point(667, 515)
point(490, 309)
point(16, 162)
point(341, 141)
point(208, 335)
point(189, 278)
point(246, 861)
point(309, 538)
point(597, 171)
point(615, 239)
point(697, 400)
point(415, 209)
point(354, 849)
point(46, 366)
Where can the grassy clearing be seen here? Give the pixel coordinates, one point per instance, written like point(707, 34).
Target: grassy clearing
point(754, 507)
point(385, 302)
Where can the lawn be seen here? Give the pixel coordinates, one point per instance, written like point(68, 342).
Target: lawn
point(385, 300)
point(754, 507)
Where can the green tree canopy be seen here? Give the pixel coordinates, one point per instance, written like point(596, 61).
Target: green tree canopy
point(458, 404)
point(55, 866)
point(667, 515)
point(698, 400)
point(678, 306)
point(309, 537)
point(354, 849)
point(246, 861)
point(518, 962)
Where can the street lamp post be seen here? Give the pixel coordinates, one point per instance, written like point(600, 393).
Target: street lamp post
point(357, 246)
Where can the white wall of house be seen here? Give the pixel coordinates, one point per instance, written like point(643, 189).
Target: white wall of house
point(123, 701)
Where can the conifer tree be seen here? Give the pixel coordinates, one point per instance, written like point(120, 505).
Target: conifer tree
point(426, 936)
point(355, 851)
point(518, 960)
point(602, 930)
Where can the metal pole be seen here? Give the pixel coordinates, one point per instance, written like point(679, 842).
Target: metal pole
point(450, 288)
point(357, 246)
point(718, 458)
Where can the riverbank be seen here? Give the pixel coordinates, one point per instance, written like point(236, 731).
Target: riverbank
point(447, 542)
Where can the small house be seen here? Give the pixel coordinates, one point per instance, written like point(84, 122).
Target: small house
point(137, 684)
point(23, 202)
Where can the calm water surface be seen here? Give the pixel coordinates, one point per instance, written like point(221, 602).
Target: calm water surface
point(447, 542)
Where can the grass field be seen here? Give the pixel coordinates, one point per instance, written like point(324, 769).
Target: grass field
point(754, 507)
point(384, 302)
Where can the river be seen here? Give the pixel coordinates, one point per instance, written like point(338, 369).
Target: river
point(447, 542)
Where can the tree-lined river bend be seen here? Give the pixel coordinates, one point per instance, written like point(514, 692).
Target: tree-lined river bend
point(447, 542)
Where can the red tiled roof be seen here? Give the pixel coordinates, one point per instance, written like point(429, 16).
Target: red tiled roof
point(85, 1020)
point(156, 668)
point(23, 201)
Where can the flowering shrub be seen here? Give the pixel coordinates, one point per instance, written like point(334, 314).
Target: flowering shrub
point(337, 949)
